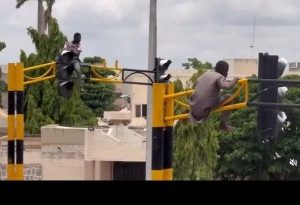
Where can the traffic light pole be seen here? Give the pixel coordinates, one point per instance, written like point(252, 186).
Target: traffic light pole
point(158, 90)
point(152, 52)
point(15, 119)
point(15, 122)
point(162, 132)
point(168, 136)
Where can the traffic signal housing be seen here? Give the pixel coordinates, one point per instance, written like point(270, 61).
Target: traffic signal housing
point(271, 119)
point(161, 66)
point(65, 72)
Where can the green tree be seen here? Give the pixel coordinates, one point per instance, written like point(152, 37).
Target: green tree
point(42, 104)
point(196, 64)
point(195, 150)
point(99, 96)
point(94, 60)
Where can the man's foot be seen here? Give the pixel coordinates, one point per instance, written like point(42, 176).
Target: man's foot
point(225, 128)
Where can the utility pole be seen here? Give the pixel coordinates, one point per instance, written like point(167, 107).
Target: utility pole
point(252, 45)
point(152, 52)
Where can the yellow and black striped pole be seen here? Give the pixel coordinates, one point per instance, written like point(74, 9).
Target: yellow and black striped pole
point(158, 93)
point(20, 119)
point(11, 132)
point(15, 124)
point(168, 135)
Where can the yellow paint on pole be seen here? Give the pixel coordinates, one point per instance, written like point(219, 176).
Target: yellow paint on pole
point(15, 172)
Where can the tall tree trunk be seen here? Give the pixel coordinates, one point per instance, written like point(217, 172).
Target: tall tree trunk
point(41, 17)
point(48, 14)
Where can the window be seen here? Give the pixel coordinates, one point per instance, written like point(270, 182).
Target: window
point(144, 110)
point(138, 110)
point(141, 110)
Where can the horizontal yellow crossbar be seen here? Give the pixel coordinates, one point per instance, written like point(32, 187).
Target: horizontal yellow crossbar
point(183, 93)
point(39, 66)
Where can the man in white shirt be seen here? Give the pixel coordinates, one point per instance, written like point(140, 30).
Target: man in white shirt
point(75, 47)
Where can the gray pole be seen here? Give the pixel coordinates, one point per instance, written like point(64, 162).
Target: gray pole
point(152, 52)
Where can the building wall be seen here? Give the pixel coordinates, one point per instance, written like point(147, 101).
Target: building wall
point(63, 162)
point(242, 67)
point(118, 144)
point(248, 67)
point(294, 68)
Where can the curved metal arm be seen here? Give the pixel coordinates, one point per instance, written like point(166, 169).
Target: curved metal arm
point(44, 76)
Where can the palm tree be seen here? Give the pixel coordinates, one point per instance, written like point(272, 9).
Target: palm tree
point(43, 15)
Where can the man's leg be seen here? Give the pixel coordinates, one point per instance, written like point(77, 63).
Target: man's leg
point(224, 124)
point(77, 69)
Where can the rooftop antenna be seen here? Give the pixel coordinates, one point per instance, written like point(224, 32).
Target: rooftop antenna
point(252, 45)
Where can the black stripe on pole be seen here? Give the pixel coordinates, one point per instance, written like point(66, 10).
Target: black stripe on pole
point(20, 102)
point(157, 148)
point(11, 151)
point(167, 148)
point(11, 103)
point(20, 148)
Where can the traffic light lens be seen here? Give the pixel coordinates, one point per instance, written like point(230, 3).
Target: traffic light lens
point(282, 63)
point(66, 56)
point(282, 91)
point(165, 63)
point(161, 65)
point(165, 78)
point(65, 88)
point(281, 117)
point(67, 84)
point(69, 69)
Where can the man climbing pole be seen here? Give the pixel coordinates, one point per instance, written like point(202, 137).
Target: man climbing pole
point(206, 96)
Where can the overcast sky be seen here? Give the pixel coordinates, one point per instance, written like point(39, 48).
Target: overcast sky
point(206, 29)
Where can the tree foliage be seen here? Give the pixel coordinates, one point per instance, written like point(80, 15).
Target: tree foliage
point(99, 96)
point(195, 150)
point(196, 64)
point(94, 60)
point(195, 145)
